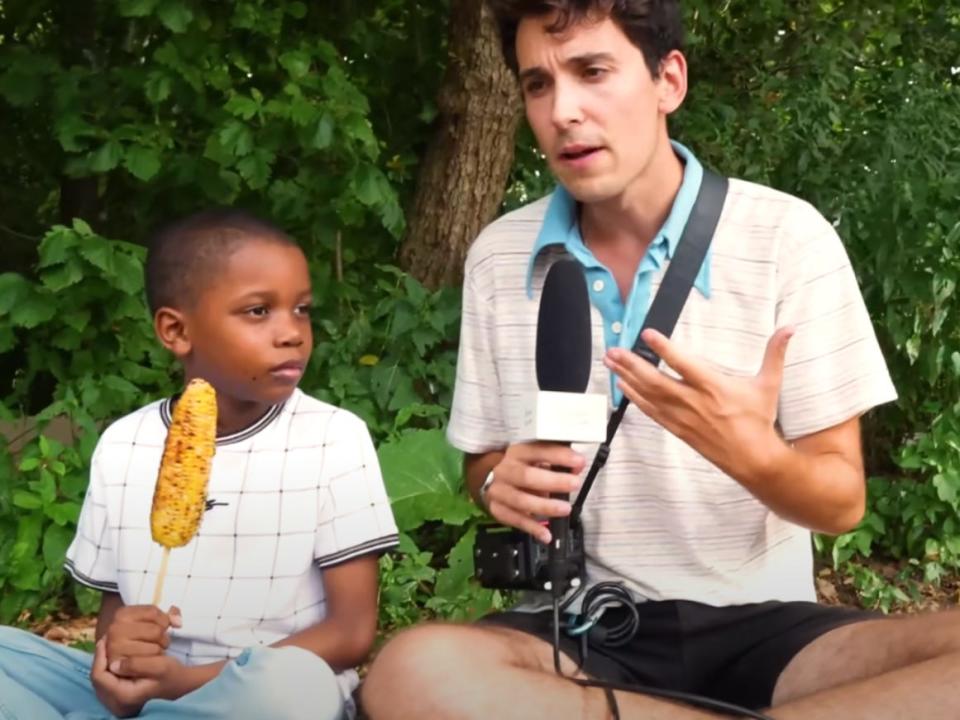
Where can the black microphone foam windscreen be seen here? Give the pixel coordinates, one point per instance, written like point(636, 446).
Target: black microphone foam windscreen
point(563, 330)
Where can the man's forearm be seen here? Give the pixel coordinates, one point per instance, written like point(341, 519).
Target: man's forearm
point(822, 491)
point(475, 469)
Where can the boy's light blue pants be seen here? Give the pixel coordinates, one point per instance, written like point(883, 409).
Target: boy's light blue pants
point(40, 680)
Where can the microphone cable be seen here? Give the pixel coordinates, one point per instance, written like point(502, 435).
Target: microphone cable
point(595, 601)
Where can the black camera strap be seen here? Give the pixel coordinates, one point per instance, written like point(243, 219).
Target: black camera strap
point(668, 302)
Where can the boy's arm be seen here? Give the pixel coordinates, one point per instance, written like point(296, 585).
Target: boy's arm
point(110, 602)
point(343, 638)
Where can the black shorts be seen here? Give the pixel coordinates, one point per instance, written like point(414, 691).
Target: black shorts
point(734, 654)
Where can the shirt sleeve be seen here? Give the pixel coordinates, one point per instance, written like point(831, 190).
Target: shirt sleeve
point(91, 559)
point(355, 517)
point(834, 368)
point(476, 417)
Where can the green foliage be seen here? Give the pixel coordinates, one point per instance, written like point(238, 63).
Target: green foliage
point(424, 479)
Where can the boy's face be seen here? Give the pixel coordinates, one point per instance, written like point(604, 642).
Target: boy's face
point(596, 110)
point(248, 333)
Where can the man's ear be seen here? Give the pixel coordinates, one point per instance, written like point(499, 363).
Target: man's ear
point(672, 81)
point(171, 328)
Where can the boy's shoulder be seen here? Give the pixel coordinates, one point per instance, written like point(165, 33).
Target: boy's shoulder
point(141, 425)
point(320, 416)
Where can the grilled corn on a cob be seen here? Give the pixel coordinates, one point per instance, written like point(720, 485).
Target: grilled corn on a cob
point(180, 495)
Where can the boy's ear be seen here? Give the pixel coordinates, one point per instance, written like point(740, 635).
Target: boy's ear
point(171, 328)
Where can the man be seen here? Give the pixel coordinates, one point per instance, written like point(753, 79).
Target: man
point(728, 456)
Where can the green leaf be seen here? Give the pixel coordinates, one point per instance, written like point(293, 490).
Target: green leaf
point(242, 106)
point(175, 15)
point(236, 138)
point(26, 500)
point(255, 168)
point(296, 62)
point(33, 310)
point(56, 540)
point(107, 157)
point(142, 162)
point(456, 576)
point(13, 289)
point(136, 8)
point(157, 88)
point(423, 477)
point(323, 134)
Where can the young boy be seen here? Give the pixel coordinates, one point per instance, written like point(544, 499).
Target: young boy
point(275, 599)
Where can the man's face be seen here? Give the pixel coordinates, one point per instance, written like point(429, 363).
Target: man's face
point(250, 333)
point(597, 112)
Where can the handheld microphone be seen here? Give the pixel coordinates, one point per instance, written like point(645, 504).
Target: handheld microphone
point(562, 411)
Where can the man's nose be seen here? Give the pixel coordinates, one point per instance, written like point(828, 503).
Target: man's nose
point(567, 105)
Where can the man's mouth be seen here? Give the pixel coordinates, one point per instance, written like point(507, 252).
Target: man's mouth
point(577, 152)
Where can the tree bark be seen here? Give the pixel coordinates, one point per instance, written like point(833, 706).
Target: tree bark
point(464, 173)
point(79, 196)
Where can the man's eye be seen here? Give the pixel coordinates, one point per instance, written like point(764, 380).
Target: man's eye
point(594, 72)
point(533, 87)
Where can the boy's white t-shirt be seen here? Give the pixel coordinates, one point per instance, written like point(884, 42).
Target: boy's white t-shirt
point(298, 491)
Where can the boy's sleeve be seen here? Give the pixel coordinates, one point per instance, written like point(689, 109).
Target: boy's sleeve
point(834, 368)
point(355, 517)
point(91, 560)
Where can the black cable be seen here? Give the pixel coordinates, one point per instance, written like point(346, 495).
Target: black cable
point(620, 634)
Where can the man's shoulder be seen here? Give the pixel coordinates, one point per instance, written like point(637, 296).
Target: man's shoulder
point(750, 203)
point(512, 234)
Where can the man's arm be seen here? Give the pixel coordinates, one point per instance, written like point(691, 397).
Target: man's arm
point(816, 482)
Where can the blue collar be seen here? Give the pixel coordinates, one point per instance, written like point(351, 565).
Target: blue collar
point(560, 224)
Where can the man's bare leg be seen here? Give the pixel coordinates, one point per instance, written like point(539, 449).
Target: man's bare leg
point(448, 672)
point(880, 669)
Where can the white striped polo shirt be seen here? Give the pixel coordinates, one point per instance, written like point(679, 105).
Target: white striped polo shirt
point(660, 516)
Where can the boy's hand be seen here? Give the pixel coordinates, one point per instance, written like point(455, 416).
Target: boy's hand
point(138, 631)
point(123, 697)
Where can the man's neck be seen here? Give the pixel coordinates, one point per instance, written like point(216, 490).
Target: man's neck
point(636, 215)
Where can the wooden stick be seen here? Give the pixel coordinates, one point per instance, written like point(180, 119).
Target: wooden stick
point(158, 590)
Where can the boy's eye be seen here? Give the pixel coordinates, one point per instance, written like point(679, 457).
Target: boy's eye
point(257, 311)
point(304, 309)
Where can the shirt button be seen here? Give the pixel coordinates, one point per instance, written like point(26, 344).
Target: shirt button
point(597, 285)
point(616, 327)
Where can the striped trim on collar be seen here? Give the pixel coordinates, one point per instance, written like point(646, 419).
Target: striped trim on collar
point(166, 410)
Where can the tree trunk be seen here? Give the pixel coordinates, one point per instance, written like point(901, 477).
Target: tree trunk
point(463, 176)
point(79, 196)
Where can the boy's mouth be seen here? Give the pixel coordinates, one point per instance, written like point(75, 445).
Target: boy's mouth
point(291, 371)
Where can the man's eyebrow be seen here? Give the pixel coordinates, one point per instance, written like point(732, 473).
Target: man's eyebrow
point(576, 60)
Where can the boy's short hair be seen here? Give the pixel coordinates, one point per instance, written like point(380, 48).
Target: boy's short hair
point(182, 256)
point(655, 27)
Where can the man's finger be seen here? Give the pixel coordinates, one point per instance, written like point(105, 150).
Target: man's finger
point(527, 524)
point(526, 503)
point(543, 453)
point(694, 371)
point(771, 370)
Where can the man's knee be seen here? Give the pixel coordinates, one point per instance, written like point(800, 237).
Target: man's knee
point(287, 683)
point(427, 666)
